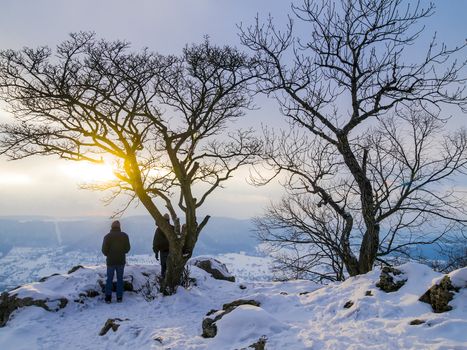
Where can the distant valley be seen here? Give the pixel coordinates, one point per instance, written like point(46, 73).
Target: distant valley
point(34, 247)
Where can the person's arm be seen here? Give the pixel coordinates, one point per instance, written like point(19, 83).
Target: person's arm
point(128, 246)
point(105, 246)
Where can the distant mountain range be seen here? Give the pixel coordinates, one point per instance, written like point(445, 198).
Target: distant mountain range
point(221, 235)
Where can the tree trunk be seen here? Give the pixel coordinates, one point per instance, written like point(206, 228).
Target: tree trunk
point(348, 258)
point(370, 241)
point(175, 266)
point(369, 249)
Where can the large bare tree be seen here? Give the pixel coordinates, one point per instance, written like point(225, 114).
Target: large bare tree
point(369, 151)
point(160, 120)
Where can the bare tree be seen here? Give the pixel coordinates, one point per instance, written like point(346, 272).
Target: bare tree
point(373, 154)
point(161, 120)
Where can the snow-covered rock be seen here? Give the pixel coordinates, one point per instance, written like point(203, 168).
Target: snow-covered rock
point(391, 279)
point(440, 294)
point(209, 323)
point(212, 266)
point(292, 315)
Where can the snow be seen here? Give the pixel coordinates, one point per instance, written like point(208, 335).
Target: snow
point(459, 278)
point(248, 268)
point(28, 264)
point(292, 315)
point(245, 323)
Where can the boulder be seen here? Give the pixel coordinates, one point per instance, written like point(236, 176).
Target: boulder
point(9, 303)
point(214, 267)
point(209, 324)
point(439, 295)
point(390, 280)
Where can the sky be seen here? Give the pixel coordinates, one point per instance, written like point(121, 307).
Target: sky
point(48, 186)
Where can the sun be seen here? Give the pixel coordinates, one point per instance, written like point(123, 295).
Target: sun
point(86, 172)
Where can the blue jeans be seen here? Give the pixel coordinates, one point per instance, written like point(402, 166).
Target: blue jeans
point(110, 276)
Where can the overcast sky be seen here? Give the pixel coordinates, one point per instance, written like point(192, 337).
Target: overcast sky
point(47, 186)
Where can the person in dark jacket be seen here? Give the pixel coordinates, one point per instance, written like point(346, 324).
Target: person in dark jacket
point(160, 244)
point(115, 245)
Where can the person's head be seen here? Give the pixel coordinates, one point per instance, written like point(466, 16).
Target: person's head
point(115, 225)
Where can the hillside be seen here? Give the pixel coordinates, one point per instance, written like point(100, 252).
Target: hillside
point(354, 314)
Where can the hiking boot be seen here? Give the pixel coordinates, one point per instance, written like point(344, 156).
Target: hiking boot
point(108, 299)
point(119, 300)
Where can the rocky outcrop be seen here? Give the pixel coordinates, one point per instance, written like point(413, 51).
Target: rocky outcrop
point(209, 323)
point(111, 324)
point(439, 295)
point(214, 267)
point(9, 303)
point(79, 285)
point(390, 280)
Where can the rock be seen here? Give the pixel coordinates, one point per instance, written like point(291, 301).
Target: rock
point(217, 269)
point(439, 295)
point(284, 293)
point(260, 344)
point(231, 306)
point(209, 328)
point(348, 304)
point(242, 286)
point(369, 293)
point(91, 293)
point(209, 324)
point(158, 339)
point(210, 312)
point(9, 303)
point(75, 268)
point(127, 285)
point(304, 293)
point(111, 324)
point(388, 281)
point(416, 322)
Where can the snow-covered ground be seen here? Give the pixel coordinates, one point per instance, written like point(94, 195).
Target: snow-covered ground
point(292, 315)
point(28, 264)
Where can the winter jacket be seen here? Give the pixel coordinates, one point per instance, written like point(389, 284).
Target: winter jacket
point(160, 242)
point(115, 245)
